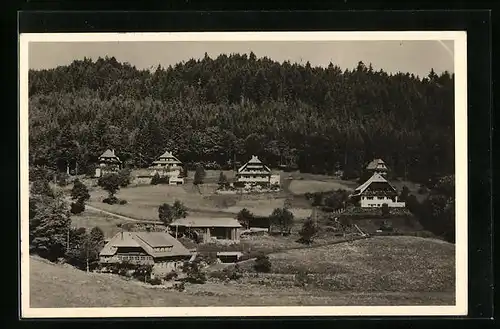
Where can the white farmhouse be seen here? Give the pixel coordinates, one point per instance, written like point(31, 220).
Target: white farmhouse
point(168, 165)
point(375, 192)
point(254, 172)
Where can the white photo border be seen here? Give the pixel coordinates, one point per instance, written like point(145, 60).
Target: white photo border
point(461, 182)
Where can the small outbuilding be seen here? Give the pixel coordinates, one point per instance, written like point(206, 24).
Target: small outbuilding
point(207, 229)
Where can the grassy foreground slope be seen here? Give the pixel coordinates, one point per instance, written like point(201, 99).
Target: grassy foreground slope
point(410, 271)
point(396, 263)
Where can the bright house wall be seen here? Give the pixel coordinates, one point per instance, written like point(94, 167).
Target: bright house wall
point(244, 177)
point(368, 202)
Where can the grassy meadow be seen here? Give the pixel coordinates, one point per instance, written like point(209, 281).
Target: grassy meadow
point(375, 271)
point(143, 200)
point(401, 263)
point(89, 219)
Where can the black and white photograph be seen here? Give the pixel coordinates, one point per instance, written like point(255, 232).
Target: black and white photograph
point(264, 173)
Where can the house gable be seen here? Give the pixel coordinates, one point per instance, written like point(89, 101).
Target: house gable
point(154, 244)
point(109, 156)
point(167, 158)
point(375, 184)
point(377, 165)
point(254, 166)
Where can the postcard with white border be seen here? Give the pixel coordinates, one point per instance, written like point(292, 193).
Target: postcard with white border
point(243, 174)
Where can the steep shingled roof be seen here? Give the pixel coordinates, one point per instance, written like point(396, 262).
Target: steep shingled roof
point(376, 164)
point(376, 178)
point(254, 161)
point(148, 241)
point(109, 154)
point(168, 154)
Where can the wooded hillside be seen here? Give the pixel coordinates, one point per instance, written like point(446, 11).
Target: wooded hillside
point(320, 119)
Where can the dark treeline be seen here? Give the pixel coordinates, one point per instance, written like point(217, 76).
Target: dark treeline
point(319, 119)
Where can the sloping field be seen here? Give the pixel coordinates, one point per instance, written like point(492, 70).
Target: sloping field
point(310, 186)
point(399, 263)
point(90, 219)
point(62, 286)
point(143, 202)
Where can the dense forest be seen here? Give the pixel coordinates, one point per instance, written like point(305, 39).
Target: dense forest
point(320, 119)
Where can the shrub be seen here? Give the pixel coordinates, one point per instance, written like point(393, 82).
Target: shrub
point(122, 202)
point(422, 190)
point(171, 276)
point(199, 175)
point(282, 219)
point(125, 178)
point(386, 226)
point(309, 230)
point(110, 183)
point(194, 272)
point(111, 200)
point(262, 264)
point(244, 217)
point(42, 188)
point(40, 173)
point(405, 192)
point(180, 286)
point(155, 281)
point(155, 180)
point(77, 207)
point(80, 191)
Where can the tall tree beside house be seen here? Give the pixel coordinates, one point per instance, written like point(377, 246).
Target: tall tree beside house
point(179, 210)
point(95, 242)
point(80, 194)
point(440, 208)
point(168, 213)
point(75, 245)
point(165, 213)
point(110, 183)
point(244, 217)
point(84, 248)
point(125, 177)
point(281, 219)
point(49, 224)
point(437, 212)
point(199, 176)
point(405, 192)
